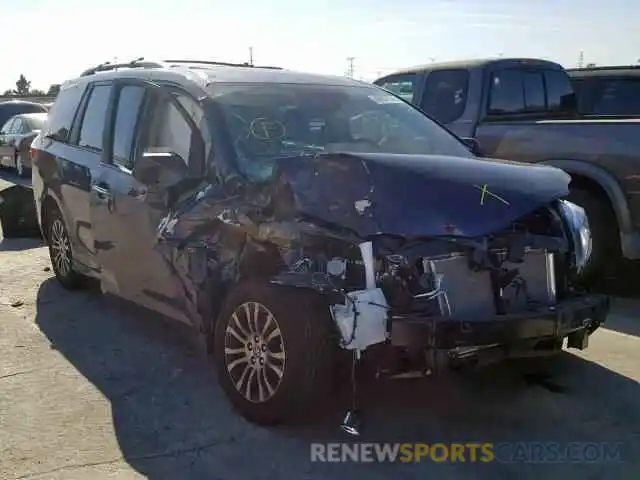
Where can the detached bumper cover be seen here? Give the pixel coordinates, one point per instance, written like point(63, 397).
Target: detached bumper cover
point(581, 314)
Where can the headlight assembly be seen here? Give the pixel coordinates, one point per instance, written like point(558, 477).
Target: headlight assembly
point(578, 224)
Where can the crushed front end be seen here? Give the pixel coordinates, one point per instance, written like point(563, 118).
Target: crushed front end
point(426, 304)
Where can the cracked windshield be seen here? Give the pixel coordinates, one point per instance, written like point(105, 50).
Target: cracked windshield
point(297, 240)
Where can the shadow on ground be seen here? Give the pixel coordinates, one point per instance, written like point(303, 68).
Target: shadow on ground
point(19, 244)
point(172, 421)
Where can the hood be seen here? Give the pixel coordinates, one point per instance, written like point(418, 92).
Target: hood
point(418, 195)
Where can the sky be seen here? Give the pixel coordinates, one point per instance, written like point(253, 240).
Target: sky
point(50, 41)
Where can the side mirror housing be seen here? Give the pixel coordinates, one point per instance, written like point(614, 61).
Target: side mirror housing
point(473, 145)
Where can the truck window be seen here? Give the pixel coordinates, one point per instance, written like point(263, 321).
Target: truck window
point(445, 94)
point(559, 90)
point(534, 96)
point(617, 97)
point(404, 86)
point(506, 93)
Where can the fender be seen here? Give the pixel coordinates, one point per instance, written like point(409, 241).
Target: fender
point(629, 239)
point(608, 183)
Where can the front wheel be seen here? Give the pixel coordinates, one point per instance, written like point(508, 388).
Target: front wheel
point(274, 351)
point(606, 254)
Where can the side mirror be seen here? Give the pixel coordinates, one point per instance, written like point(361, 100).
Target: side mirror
point(161, 169)
point(473, 145)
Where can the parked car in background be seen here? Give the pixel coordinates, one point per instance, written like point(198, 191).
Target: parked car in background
point(295, 221)
point(526, 110)
point(16, 136)
point(10, 108)
point(613, 90)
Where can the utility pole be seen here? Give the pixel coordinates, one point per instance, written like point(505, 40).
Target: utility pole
point(350, 69)
point(581, 60)
point(251, 56)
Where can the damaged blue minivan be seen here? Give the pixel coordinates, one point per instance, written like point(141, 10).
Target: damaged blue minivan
point(303, 225)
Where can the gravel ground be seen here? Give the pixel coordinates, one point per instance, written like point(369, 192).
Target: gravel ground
point(90, 388)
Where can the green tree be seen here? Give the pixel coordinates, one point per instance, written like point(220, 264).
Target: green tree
point(54, 89)
point(23, 86)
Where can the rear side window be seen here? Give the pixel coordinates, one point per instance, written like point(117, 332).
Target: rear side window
point(63, 112)
point(534, 96)
point(445, 94)
point(559, 90)
point(404, 86)
point(130, 100)
point(91, 131)
point(506, 93)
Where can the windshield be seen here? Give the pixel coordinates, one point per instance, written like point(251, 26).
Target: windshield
point(271, 121)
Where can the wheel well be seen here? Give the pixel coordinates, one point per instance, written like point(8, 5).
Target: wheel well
point(48, 207)
point(584, 183)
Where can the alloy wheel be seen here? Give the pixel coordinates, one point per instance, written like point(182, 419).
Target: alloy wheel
point(60, 248)
point(254, 352)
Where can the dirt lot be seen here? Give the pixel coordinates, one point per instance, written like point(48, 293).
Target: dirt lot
point(91, 389)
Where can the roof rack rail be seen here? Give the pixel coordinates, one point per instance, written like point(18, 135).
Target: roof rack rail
point(224, 64)
point(108, 66)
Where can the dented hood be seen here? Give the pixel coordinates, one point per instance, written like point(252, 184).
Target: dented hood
point(418, 195)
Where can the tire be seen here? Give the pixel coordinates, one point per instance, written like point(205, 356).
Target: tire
point(606, 253)
point(304, 352)
point(61, 254)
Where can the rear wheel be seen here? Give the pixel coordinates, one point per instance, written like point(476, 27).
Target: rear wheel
point(61, 254)
point(606, 254)
point(274, 351)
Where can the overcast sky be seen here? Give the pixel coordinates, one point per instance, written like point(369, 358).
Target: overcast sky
point(51, 40)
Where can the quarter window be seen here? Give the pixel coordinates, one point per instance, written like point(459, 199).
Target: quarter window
point(63, 112)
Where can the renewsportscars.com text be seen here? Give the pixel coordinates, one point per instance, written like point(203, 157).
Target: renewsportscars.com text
point(505, 452)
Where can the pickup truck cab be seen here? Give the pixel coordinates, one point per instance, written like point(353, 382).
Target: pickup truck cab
point(526, 110)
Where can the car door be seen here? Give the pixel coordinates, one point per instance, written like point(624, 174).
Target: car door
point(126, 212)
point(6, 151)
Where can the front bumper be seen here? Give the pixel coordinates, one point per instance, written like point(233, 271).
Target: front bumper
point(576, 319)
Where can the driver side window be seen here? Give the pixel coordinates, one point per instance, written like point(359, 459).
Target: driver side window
point(170, 129)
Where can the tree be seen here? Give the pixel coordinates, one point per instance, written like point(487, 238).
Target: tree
point(8, 93)
point(591, 65)
point(37, 93)
point(23, 86)
point(54, 89)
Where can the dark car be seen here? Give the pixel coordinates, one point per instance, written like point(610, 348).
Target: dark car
point(16, 136)
point(10, 108)
point(525, 110)
point(607, 90)
point(298, 221)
